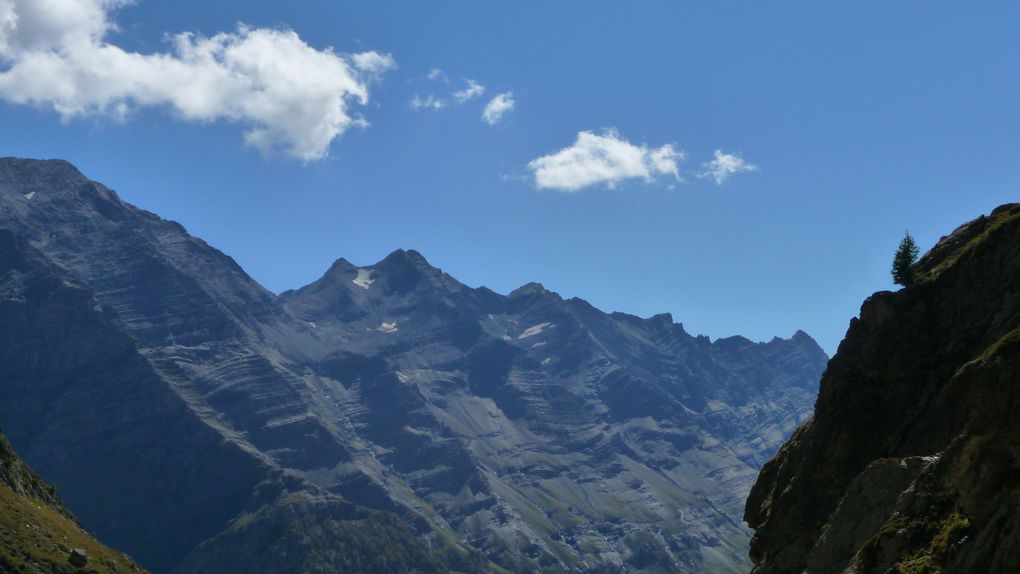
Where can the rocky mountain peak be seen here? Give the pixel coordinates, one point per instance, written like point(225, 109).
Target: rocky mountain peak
point(28, 169)
point(801, 336)
point(38, 181)
point(405, 258)
point(804, 341)
point(666, 318)
point(402, 271)
point(529, 289)
point(339, 266)
point(533, 291)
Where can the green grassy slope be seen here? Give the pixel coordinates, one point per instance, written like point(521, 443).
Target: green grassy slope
point(37, 533)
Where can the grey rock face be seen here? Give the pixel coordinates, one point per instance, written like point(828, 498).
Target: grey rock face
point(537, 431)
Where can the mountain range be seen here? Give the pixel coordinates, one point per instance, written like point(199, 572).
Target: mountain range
point(385, 418)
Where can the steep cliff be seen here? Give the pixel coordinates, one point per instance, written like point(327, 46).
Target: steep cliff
point(912, 460)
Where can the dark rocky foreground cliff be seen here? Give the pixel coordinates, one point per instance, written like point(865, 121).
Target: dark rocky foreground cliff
point(911, 463)
point(382, 419)
point(38, 534)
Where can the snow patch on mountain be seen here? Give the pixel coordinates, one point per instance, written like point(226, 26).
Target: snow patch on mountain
point(535, 329)
point(363, 279)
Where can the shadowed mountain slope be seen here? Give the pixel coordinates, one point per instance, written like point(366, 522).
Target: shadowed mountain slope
point(911, 462)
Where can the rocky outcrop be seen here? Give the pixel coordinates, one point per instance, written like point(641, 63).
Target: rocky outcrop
point(38, 535)
point(911, 462)
point(385, 418)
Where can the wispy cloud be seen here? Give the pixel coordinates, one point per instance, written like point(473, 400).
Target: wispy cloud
point(289, 96)
point(724, 165)
point(437, 74)
point(494, 109)
point(604, 158)
point(497, 107)
point(429, 102)
point(472, 91)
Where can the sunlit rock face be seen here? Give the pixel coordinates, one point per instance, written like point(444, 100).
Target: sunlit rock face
point(910, 463)
point(384, 418)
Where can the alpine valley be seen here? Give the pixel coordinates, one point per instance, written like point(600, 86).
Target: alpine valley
point(385, 418)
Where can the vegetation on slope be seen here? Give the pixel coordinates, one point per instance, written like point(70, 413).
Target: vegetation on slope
point(37, 533)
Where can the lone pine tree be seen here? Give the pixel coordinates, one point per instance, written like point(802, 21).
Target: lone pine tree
point(903, 262)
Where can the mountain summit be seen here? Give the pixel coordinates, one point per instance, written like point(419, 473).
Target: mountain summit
point(385, 418)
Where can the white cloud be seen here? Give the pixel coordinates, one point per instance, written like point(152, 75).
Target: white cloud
point(428, 102)
point(603, 158)
point(289, 96)
point(723, 166)
point(472, 91)
point(373, 62)
point(437, 74)
point(498, 106)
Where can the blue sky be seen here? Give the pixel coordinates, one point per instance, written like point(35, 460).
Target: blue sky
point(862, 119)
